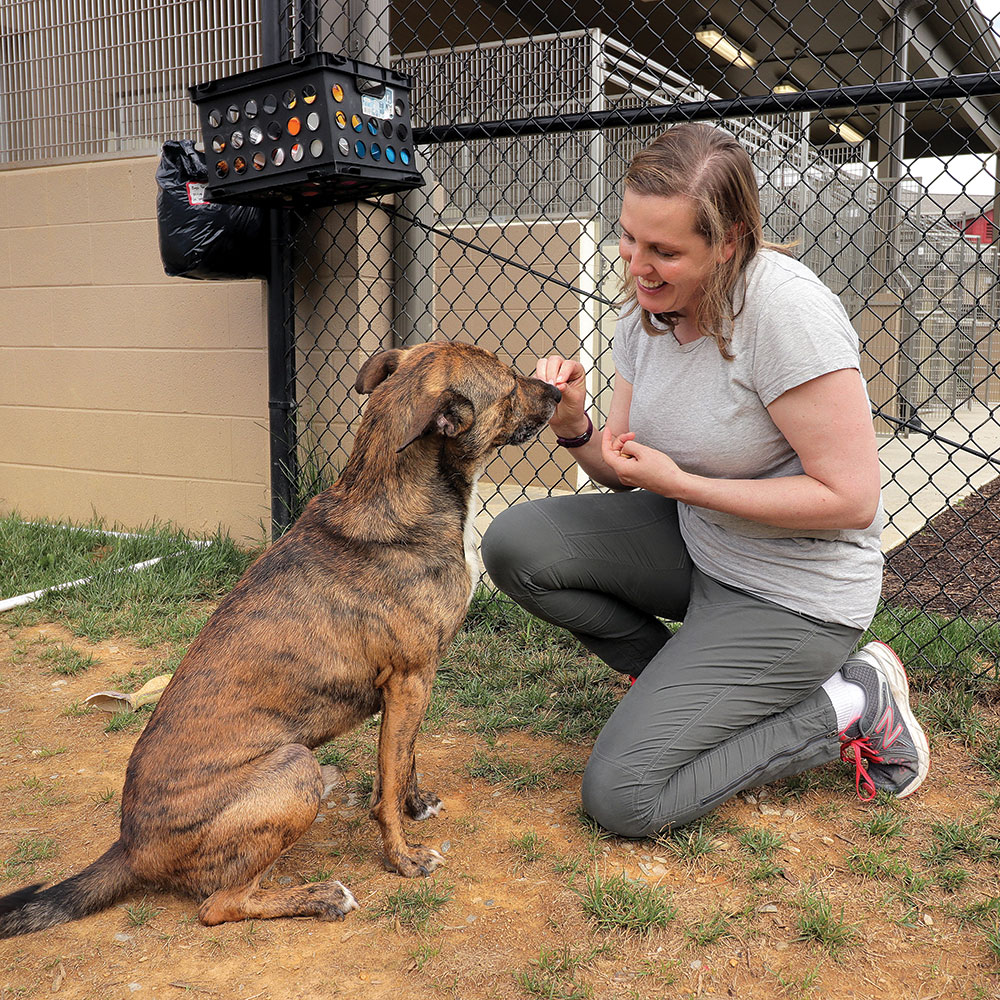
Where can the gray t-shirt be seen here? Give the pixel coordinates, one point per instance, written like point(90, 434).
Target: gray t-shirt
point(709, 415)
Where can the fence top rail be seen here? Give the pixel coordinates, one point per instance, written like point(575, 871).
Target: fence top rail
point(895, 92)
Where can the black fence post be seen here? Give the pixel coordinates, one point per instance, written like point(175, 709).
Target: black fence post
point(275, 38)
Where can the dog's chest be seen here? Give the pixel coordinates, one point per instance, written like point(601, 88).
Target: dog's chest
point(469, 539)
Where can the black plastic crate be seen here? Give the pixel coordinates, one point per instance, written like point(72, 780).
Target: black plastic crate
point(319, 129)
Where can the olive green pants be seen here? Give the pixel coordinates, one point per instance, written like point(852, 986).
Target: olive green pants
point(730, 701)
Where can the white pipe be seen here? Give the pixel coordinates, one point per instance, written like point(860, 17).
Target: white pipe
point(21, 599)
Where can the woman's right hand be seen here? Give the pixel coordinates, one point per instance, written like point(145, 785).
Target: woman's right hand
point(570, 417)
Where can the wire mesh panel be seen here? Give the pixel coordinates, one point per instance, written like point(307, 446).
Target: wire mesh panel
point(872, 127)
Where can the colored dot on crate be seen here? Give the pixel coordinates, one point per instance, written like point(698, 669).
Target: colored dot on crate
point(390, 154)
point(359, 148)
point(297, 151)
point(294, 126)
point(239, 165)
point(404, 156)
point(233, 114)
point(277, 156)
point(215, 118)
point(218, 144)
point(338, 92)
point(372, 127)
point(250, 108)
point(309, 93)
point(222, 168)
point(341, 119)
point(316, 147)
point(270, 104)
point(356, 123)
point(236, 140)
point(288, 99)
point(256, 135)
point(312, 122)
point(259, 161)
point(344, 146)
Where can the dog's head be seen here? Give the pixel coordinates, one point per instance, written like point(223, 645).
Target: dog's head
point(456, 391)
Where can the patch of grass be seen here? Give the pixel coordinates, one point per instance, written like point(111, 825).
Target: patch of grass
point(711, 928)
point(516, 672)
point(499, 770)
point(66, 660)
point(688, 843)
point(969, 838)
point(618, 903)
point(882, 824)
point(817, 922)
point(952, 879)
point(527, 849)
point(142, 912)
point(552, 975)
point(27, 853)
point(332, 753)
point(163, 603)
point(413, 907)
point(762, 843)
point(123, 722)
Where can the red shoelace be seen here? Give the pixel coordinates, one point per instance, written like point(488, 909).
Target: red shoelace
point(854, 752)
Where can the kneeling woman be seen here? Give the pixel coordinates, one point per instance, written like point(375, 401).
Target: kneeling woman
point(746, 504)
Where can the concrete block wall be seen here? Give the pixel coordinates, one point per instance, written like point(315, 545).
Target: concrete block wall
point(123, 393)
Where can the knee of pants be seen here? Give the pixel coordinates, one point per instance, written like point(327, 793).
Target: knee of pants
point(613, 797)
point(514, 546)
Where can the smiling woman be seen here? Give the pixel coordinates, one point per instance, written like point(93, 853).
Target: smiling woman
point(741, 457)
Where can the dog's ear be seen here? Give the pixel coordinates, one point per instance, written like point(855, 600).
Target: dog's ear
point(448, 414)
point(377, 369)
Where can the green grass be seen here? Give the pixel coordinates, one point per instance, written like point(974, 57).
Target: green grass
point(21, 864)
point(163, 603)
point(66, 660)
point(512, 671)
point(552, 976)
point(818, 923)
point(617, 902)
point(413, 908)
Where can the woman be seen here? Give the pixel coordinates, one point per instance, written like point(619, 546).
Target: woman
point(746, 504)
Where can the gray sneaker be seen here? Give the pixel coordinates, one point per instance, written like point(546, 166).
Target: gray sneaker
point(887, 735)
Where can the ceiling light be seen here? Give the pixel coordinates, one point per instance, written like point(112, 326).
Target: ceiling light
point(787, 84)
point(845, 132)
point(715, 41)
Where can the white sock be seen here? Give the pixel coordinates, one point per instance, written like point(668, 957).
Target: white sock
point(848, 699)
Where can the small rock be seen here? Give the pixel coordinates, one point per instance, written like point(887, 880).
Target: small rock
point(829, 841)
point(928, 920)
point(791, 848)
point(767, 908)
point(446, 847)
point(285, 880)
point(134, 987)
point(696, 964)
point(768, 811)
point(123, 937)
point(320, 818)
point(470, 919)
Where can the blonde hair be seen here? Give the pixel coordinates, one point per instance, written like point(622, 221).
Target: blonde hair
point(709, 166)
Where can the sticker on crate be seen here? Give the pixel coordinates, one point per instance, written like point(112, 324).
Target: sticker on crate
point(319, 129)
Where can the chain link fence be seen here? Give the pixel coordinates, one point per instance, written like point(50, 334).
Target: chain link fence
point(873, 127)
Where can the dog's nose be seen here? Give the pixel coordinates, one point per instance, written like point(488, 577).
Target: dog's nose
point(555, 394)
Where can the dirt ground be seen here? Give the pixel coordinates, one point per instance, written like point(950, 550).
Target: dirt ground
point(61, 779)
point(952, 565)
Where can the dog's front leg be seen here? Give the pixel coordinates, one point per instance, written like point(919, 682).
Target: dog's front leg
point(406, 696)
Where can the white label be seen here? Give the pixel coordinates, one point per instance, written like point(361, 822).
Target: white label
point(196, 193)
point(378, 107)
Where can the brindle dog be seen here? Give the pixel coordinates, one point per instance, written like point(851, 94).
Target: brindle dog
point(346, 615)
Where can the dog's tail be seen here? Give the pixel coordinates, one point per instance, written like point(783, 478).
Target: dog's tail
point(99, 885)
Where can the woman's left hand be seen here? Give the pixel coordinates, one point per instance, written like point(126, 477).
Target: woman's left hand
point(640, 466)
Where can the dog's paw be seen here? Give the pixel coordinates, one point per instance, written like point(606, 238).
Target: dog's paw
point(335, 901)
point(419, 862)
point(424, 806)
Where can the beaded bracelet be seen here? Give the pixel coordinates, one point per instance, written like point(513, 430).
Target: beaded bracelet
point(580, 440)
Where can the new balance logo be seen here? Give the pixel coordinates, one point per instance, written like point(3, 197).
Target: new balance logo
point(885, 726)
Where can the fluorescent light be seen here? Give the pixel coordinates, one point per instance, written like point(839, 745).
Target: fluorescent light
point(845, 132)
point(787, 85)
point(715, 41)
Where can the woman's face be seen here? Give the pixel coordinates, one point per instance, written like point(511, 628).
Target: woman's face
point(669, 260)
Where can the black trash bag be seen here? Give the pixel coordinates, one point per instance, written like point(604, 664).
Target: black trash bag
point(200, 238)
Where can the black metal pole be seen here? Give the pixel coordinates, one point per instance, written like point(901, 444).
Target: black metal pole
point(274, 44)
